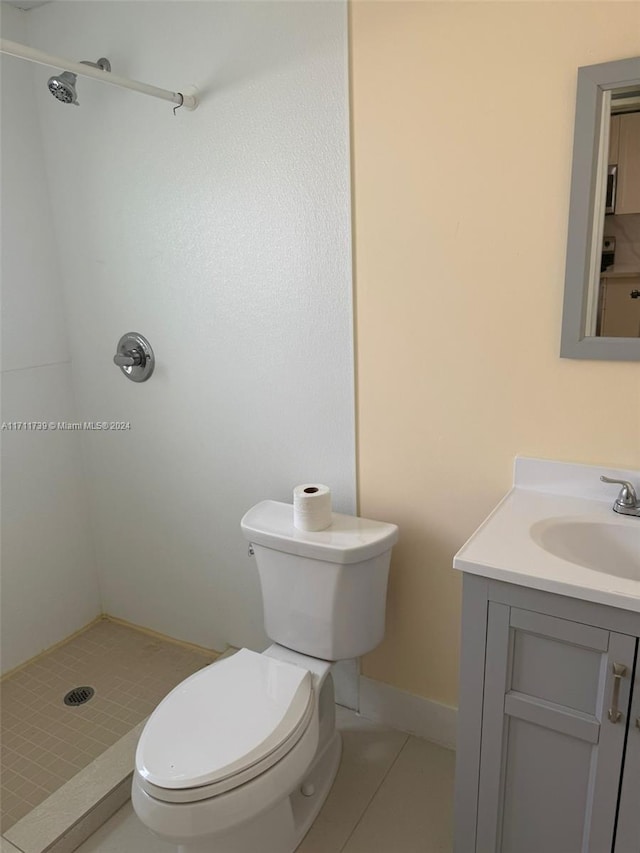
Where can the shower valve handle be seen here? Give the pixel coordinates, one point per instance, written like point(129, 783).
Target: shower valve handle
point(129, 358)
point(135, 357)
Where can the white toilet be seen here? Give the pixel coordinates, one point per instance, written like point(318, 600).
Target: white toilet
point(240, 757)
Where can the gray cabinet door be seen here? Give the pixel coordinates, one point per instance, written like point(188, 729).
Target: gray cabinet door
point(551, 759)
point(628, 829)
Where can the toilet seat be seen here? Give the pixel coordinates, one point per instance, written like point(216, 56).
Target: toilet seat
point(223, 726)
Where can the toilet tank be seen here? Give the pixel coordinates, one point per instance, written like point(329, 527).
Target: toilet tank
point(324, 593)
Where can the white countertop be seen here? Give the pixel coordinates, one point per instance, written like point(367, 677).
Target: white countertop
point(503, 549)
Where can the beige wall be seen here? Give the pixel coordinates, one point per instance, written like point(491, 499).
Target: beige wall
point(462, 136)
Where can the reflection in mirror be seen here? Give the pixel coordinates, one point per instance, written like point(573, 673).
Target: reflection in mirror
point(601, 316)
point(613, 308)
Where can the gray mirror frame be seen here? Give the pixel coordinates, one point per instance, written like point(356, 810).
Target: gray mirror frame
point(593, 82)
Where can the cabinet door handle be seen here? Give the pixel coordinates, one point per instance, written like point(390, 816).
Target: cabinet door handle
point(619, 671)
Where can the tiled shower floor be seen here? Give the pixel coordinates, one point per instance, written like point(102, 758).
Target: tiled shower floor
point(45, 742)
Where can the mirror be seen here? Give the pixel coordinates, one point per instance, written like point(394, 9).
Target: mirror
point(601, 318)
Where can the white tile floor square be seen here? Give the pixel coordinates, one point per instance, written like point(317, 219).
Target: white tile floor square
point(393, 794)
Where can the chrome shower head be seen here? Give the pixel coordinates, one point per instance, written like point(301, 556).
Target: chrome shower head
point(63, 86)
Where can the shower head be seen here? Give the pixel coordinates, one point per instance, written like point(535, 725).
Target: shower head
point(63, 86)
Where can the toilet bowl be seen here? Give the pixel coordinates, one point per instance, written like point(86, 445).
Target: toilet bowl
point(240, 756)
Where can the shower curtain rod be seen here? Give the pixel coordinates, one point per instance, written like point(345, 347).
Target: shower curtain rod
point(23, 51)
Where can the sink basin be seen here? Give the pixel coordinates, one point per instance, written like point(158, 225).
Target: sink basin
point(609, 547)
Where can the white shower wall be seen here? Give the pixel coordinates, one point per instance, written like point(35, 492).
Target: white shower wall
point(222, 235)
point(49, 577)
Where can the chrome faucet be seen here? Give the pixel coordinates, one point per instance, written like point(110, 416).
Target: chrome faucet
point(627, 502)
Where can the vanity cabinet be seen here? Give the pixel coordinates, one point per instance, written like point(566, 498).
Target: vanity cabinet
point(548, 757)
point(628, 824)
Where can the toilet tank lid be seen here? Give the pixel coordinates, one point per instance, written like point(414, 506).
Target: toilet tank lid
point(348, 540)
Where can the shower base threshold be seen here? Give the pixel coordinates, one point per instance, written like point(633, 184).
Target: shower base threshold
point(76, 810)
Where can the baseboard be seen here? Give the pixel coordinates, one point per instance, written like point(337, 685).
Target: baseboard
point(408, 713)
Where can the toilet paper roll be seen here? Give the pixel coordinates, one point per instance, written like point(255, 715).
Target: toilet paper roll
point(312, 507)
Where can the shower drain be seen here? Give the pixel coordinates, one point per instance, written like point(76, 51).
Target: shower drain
point(79, 695)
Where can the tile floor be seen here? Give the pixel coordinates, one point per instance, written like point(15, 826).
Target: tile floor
point(45, 742)
point(393, 794)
